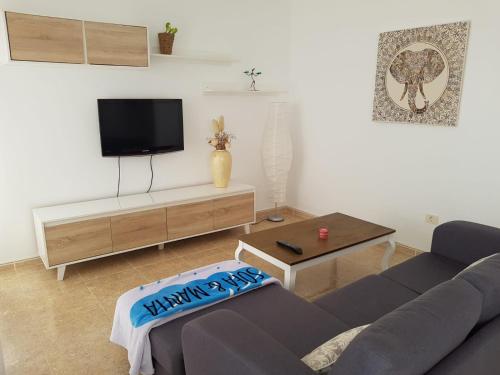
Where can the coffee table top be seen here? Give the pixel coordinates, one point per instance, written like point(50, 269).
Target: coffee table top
point(344, 231)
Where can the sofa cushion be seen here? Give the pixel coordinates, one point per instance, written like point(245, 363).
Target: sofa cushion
point(423, 272)
point(485, 276)
point(478, 355)
point(415, 336)
point(365, 300)
point(299, 325)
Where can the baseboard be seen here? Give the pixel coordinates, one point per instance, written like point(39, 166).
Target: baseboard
point(287, 210)
point(20, 261)
point(299, 213)
point(408, 250)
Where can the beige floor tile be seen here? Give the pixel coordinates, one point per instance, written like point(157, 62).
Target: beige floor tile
point(31, 365)
point(109, 359)
point(115, 284)
point(149, 256)
point(7, 271)
point(103, 267)
point(163, 269)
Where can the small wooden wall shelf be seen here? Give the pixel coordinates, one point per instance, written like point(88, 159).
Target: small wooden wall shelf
point(79, 232)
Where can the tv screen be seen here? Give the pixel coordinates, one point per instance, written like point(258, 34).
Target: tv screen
point(140, 126)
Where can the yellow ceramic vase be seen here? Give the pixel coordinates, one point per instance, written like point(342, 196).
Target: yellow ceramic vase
point(221, 167)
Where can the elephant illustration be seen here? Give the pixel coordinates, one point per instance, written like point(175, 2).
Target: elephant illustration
point(414, 69)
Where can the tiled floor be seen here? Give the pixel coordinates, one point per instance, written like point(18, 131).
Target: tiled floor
point(51, 327)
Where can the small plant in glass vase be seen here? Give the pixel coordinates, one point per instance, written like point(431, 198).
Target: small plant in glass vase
point(252, 74)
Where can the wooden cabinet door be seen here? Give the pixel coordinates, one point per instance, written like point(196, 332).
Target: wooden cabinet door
point(49, 39)
point(139, 229)
point(110, 44)
point(75, 241)
point(234, 210)
point(189, 219)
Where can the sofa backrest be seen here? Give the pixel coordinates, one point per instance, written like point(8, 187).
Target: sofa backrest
point(464, 241)
point(485, 277)
point(416, 336)
point(478, 355)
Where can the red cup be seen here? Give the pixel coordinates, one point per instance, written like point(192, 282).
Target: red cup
point(323, 233)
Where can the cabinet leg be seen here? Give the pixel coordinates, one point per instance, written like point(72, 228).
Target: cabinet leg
point(247, 228)
point(60, 273)
point(161, 246)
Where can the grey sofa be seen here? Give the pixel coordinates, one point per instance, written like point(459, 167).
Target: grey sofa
point(424, 321)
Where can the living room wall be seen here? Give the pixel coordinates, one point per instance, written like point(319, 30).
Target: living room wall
point(392, 174)
point(49, 144)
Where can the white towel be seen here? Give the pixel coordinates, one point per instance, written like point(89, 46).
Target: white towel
point(148, 306)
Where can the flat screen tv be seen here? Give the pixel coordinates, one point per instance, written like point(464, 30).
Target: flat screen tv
point(140, 126)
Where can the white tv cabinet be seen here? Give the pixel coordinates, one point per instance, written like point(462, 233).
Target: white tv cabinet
point(79, 232)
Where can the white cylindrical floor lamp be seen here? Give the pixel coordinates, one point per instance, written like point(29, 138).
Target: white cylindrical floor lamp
point(277, 153)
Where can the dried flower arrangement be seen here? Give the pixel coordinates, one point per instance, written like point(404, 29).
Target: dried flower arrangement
point(221, 139)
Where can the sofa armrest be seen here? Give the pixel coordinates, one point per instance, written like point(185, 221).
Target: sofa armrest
point(223, 342)
point(465, 242)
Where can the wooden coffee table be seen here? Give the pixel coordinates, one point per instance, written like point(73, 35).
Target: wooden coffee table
point(346, 235)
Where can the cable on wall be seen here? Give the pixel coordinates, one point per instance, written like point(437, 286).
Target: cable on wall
point(152, 172)
point(119, 176)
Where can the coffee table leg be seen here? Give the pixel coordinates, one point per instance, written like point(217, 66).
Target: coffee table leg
point(239, 250)
point(389, 252)
point(290, 279)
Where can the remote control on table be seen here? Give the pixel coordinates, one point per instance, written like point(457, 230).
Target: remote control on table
point(296, 249)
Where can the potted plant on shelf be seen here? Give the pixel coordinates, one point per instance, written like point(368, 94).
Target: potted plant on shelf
point(166, 39)
point(221, 160)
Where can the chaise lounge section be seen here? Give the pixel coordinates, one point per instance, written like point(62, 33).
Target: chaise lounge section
point(267, 331)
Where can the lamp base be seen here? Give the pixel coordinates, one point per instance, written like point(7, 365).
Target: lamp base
point(276, 218)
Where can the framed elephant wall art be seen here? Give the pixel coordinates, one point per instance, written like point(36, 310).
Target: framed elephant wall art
point(419, 74)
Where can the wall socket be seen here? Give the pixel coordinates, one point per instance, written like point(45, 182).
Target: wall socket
point(432, 219)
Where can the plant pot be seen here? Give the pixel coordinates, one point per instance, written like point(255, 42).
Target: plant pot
point(166, 43)
point(221, 164)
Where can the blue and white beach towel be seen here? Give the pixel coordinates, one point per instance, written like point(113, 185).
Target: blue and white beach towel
point(145, 307)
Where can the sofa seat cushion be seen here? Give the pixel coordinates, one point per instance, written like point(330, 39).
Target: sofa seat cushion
point(423, 272)
point(365, 300)
point(416, 336)
point(299, 325)
point(485, 276)
point(478, 355)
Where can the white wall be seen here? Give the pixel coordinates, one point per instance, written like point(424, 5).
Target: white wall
point(391, 173)
point(49, 139)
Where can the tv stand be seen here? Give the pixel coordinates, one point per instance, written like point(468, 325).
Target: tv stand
point(79, 232)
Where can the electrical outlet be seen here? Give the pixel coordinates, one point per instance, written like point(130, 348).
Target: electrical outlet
point(432, 219)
